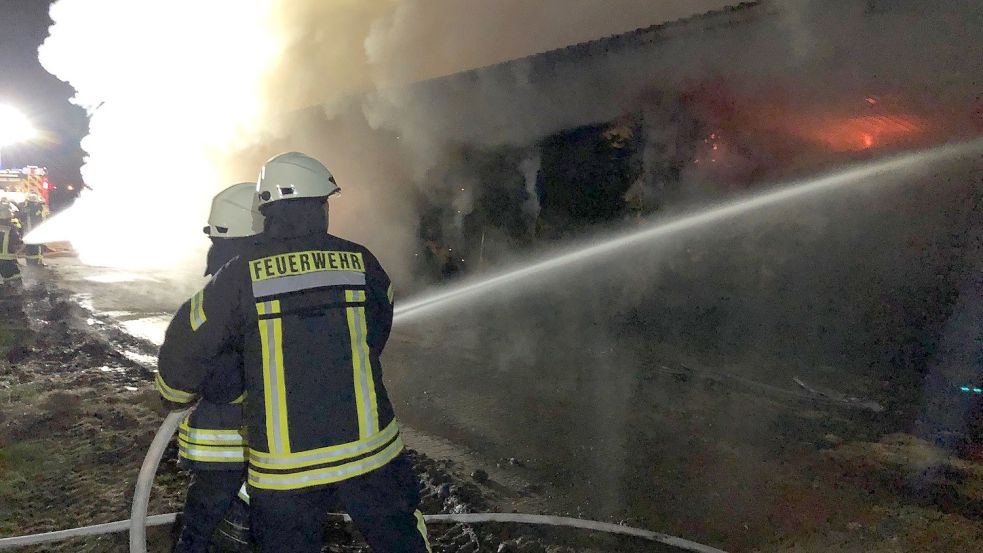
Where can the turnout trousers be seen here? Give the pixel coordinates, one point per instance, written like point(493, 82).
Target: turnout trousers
point(9, 271)
point(383, 506)
point(34, 254)
point(209, 496)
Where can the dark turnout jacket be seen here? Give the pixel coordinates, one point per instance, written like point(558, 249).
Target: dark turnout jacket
point(10, 240)
point(313, 314)
point(210, 437)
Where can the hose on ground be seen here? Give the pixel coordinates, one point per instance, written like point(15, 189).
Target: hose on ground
point(138, 522)
point(141, 496)
point(469, 518)
point(549, 520)
point(94, 530)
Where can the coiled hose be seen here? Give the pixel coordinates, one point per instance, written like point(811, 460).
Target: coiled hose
point(138, 522)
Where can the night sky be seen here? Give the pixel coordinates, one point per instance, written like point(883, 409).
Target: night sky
point(25, 85)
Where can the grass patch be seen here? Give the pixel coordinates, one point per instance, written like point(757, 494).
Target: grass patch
point(61, 404)
point(21, 393)
point(20, 465)
point(12, 335)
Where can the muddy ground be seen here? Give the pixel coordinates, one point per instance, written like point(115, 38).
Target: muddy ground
point(77, 412)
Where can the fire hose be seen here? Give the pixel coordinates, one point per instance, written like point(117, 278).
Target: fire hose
point(138, 522)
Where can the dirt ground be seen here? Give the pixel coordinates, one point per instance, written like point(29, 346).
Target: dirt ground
point(76, 417)
point(77, 413)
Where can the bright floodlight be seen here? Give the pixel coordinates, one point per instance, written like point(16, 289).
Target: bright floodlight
point(14, 127)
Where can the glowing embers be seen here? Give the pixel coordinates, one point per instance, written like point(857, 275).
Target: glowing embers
point(710, 150)
point(844, 134)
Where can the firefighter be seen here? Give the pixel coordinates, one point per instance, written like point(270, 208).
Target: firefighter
point(31, 217)
point(10, 241)
point(210, 442)
point(314, 313)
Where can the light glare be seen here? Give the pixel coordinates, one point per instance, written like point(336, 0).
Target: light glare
point(14, 127)
point(166, 112)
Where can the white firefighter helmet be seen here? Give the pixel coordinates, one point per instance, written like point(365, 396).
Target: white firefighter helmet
point(234, 213)
point(33, 197)
point(294, 175)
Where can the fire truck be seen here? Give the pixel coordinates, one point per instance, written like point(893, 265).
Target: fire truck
point(17, 184)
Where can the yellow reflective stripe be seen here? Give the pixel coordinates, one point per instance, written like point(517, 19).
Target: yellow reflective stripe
point(241, 443)
point(238, 449)
point(365, 396)
point(274, 390)
point(323, 455)
point(240, 399)
point(391, 295)
point(367, 371)
point(223, 431)
point(172, 394)
point(325, 475)
point(261, 308)
point(198, 310)
point(281, 388)
point(354, 296)
point(302, 263)
point(421, 526)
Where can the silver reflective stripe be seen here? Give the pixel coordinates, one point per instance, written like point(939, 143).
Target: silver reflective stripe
point(329, 474)
point(224, 454)
point(244, 493)
point(5, 250)
point(193, 435)
point(340, 452)
point(353, 296)
point(273, 369)
point(283, 285)
point(368, 405)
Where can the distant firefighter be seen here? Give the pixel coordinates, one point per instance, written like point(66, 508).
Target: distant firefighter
point(10, 241)
point(31, 216)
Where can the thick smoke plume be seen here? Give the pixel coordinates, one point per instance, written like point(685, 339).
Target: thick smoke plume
point(185, 98)
point(170, 92)
point(394, 135)
point(843, 292)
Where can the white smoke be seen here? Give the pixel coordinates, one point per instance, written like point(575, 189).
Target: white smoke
point(424, 39)
point(170, 88)
point(187, 97)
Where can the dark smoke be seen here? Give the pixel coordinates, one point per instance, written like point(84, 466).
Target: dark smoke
point(604, 372)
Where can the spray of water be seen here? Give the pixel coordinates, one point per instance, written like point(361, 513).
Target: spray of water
point(872, 173)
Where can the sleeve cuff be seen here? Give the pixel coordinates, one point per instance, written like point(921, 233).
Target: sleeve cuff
point(172, 394)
